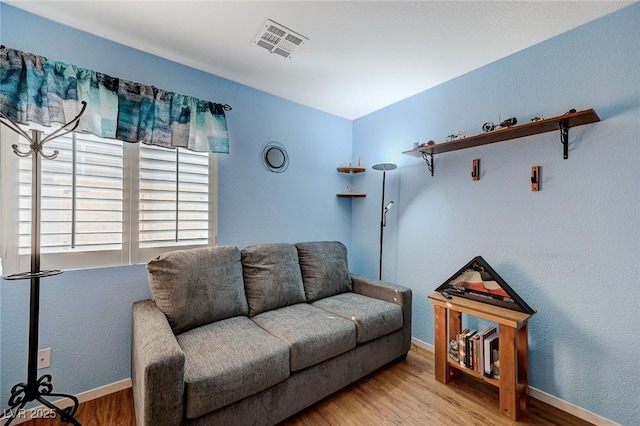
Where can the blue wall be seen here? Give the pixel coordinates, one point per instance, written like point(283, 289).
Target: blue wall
point(86, 314)
point(569, 250)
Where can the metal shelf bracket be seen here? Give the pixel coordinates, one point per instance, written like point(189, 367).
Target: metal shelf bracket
point(428, 159)
point(564, 137)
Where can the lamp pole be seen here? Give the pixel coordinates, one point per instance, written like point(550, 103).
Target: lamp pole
point(383, 210)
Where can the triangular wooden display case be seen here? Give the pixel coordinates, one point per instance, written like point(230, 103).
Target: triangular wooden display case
point(478, 281)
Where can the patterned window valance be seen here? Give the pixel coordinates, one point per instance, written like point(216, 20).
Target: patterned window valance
point(34, 89)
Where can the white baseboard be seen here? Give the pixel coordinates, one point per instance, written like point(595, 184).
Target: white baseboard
point(570, 408)
point(423, 345)
point(546, 398)
point(38, 411)
point(533, 393)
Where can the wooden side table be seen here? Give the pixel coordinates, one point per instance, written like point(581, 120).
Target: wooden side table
point(513, 346)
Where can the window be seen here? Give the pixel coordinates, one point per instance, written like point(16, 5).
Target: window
point(105, 202)
point(175, 200)
point(81, 196)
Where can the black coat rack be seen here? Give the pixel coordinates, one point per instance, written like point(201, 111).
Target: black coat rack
point(36, 389)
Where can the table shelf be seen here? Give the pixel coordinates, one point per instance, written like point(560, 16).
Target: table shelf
point(512, 347)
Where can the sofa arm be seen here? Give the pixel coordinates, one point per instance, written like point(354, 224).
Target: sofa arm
point(157, 368)
point(391, 293)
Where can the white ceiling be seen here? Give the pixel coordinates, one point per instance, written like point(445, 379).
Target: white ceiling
point(360, 56)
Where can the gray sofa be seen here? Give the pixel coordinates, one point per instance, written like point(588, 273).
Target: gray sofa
point(252, 337)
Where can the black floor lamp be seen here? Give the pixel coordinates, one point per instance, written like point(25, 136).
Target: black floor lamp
point(384, 207)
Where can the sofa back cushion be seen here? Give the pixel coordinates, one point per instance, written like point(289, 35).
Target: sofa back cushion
point(272, 277)
point(198, 286)
point(324, 267)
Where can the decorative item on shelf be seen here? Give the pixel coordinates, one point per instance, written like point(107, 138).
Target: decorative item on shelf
point(417, 145)
point(460, 135)
point(454, 353)
point(384, 209)
point(489, 126)
point(509, 122)
point(537, 118)
point(477, 280)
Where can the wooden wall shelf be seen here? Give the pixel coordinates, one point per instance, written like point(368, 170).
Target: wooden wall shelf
point(351, 194)
point(561, 122)
point(351, 169)
point(513, 347)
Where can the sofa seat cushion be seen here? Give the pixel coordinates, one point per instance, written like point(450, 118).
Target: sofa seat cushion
point(313, 335)
point(272, 277)
point(324, 268)
point(229, 360)
point(373, 317)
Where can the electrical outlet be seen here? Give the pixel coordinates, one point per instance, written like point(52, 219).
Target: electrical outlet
point(44, 358)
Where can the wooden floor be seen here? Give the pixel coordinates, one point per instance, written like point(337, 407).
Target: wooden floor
point(404, 393)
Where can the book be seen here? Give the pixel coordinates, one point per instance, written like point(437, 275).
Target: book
point(494, 363)
point(488, 343)
point(481, 353)
point(477, 353)
point(468, 348)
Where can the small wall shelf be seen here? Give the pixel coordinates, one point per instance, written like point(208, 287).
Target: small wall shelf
point(561, 122)
point(351, 194)
point(351, 170)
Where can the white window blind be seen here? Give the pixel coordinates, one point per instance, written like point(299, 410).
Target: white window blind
point(105, 202)
point(174, 197)
point(82, 196)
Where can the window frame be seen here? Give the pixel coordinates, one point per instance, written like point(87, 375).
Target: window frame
point(131, 253)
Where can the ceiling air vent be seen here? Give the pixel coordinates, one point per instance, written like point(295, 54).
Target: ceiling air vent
point(279, 39)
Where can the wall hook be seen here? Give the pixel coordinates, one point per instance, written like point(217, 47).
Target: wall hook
point(535, 178)
point(475, 169)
